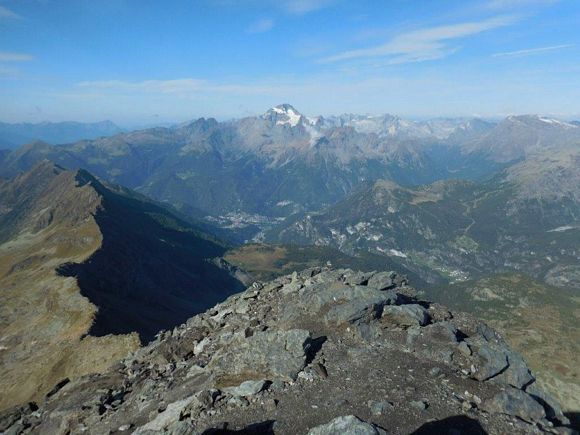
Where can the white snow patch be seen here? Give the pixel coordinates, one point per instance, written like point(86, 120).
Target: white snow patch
point(362, 226)
point(397, 253)
point(293, 116)
point(561, 229)
point(557, 122)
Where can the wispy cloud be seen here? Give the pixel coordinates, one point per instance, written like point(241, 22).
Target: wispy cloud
point(532, 51)
point(7, 13)
point(507, 4)
point(423, 44)
point(261, 26)
point(14, 57)
point(300, 7)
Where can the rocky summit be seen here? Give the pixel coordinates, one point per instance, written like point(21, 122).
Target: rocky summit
point(317, 352)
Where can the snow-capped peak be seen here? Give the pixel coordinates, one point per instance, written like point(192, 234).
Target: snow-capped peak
point(543, 119)
point(284, 114)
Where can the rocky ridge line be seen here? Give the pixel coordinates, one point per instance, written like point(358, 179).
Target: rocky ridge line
point(319, 352)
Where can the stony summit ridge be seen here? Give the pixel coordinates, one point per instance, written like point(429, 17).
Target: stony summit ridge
point(318, 352)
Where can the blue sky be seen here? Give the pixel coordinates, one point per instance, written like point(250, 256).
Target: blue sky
point(141, 62)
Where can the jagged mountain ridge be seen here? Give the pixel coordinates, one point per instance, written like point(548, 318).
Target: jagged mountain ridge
point(518, 137)
point(344, 351)
point(284, 162)
point(81, 260)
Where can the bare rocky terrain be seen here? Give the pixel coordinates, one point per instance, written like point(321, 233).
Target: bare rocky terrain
point(320, 352)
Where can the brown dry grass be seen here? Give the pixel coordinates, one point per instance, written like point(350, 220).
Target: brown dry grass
point(43, 316)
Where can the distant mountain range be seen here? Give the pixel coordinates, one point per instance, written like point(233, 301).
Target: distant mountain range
point(255, 169)
point(527, 218)
point(15, 135)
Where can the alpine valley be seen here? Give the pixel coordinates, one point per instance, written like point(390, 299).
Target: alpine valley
point(130, 239)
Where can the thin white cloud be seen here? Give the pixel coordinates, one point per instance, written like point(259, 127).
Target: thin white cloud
point(14, 57)
point(300, 7)
point(423, 44)
point(261, 26)
point(507, 4)
point(7, 13)
point(532, 51)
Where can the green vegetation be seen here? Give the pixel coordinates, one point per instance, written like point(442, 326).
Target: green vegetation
point(542, 322)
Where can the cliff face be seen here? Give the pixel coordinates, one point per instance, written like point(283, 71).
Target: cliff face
point(319, 352)
point(73, 254)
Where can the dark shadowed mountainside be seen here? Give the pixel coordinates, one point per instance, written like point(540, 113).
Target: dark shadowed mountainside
point(80, 260)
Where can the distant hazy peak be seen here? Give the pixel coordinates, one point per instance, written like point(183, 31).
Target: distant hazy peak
point(284, 114)
point(539, 118)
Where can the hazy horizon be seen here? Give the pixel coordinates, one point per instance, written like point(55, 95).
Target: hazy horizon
point(170, 123)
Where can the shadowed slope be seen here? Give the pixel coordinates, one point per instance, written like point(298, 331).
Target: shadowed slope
point(139, 268)
point(152, 270)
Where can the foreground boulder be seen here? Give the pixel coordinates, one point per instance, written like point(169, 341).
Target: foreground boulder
point(318, 352)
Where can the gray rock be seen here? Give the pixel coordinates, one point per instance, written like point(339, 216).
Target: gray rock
point(436, 342)
point(247, 388)
point(277, 385)
point(170, 415)
point(270, 404)
point(420, 405)
point(551, 407)
point(357, 304)
point(515, 402)
point(238, 401)
point(293, 287)
point(435, 371)
point(382, 281)
point(266, 355)
point(492, 361)
point(518, 374)
point(499, 362)
point(179, 428)
point(337, 293)
point(405, 315)
point(380, 408)
point(464, 348)
point(347, 425)
point(357, 278)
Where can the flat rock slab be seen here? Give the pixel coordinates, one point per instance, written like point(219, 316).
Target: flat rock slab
point(265, 355)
